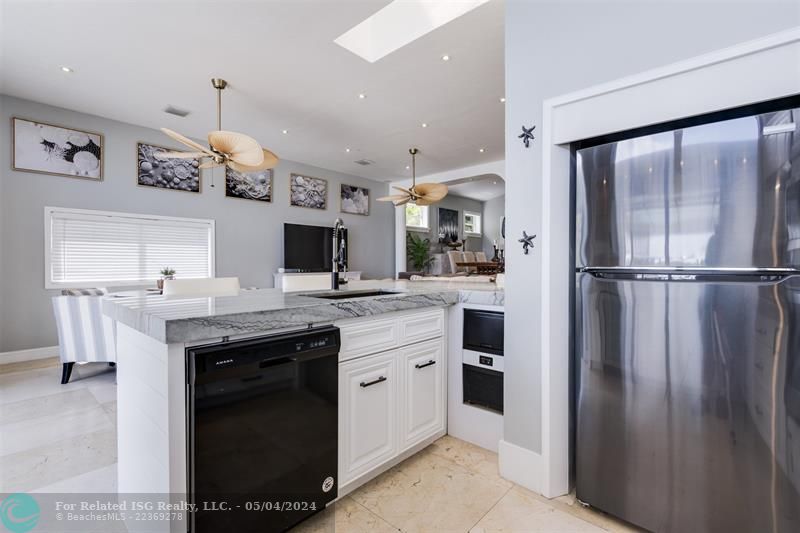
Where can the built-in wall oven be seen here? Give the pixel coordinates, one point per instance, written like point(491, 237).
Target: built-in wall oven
point(262, 426)
point(482, 358)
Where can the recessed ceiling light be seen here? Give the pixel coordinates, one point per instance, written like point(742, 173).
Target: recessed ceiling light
point(361, 96)
point(424, 124)
point(66, 69)
point(482, 150)
point(347, 150)
point(399, 23)
point(494, 183)
point(408, 167)
point(445, 57)
point(285, 132)
point(502, 99)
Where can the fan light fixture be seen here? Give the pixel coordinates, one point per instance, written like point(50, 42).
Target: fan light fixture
point(225, 148)
point(422, 194)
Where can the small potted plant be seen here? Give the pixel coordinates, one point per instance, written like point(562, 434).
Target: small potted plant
point(166, 273)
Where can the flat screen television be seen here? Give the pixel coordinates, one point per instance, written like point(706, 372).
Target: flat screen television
point(307, 248)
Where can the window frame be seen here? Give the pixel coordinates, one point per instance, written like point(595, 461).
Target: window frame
point(479, 218)
point(49, 211)
point(427, 219)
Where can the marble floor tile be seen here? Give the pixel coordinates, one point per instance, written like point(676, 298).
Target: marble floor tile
point(38, 431)
point(345, 516)
point(111, 410)
point(428, 493)
point(46, 404)
point(34, 383)
point(37, 467)
point(100, 481)
point(519, 511)
point(470, 456)
point(104, 392)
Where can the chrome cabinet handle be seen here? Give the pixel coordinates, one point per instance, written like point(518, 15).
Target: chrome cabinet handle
point(423, 365)
point(366, 384)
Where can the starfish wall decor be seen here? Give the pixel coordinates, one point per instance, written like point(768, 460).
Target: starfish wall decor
point(527, 135)
point(526, 241)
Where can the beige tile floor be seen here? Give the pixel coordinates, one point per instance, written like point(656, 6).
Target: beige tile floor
point(62, 438)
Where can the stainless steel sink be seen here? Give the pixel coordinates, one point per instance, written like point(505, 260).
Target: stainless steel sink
point(351, 294)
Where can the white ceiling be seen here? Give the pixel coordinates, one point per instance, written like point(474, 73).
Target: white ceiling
point(483, 188)
point(131, 59)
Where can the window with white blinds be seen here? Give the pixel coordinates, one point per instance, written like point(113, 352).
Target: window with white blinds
point(86, 248)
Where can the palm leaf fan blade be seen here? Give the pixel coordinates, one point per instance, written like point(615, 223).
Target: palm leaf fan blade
point(240, 148)
point(188, 142)
point(270, 160)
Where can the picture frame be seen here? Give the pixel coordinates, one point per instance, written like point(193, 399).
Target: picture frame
point(259, 186)
point(168, 174)
point(448, 225)
point(43, 148)
point(308, 191)
point(353, 200)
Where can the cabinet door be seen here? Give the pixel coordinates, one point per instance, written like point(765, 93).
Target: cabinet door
point(367, 414)
point(422, 395)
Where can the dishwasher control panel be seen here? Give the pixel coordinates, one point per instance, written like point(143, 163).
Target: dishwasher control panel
point(263, 351)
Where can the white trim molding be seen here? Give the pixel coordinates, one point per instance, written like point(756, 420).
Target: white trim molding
point(31, 354)
point(754, 71)
point(521, 465)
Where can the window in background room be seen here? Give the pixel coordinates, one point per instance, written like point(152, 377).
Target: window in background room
point(417, 217)
point(85, 248)
point(472, 223)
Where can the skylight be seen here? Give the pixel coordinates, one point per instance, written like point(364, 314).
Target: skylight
point(399, 23)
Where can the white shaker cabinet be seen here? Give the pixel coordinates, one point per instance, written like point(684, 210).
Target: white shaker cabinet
point(422, 395)
point(391, 403)
point(367, 413)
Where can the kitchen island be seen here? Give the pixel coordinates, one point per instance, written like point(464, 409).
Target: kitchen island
point(154, 333)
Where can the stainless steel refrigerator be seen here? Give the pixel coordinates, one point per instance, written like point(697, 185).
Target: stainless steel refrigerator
point(687, 325)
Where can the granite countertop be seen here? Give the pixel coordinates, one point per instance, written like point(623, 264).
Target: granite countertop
point(180, 319)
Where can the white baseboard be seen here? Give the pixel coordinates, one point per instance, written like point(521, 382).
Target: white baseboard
point(28, 355)
point(520, 465)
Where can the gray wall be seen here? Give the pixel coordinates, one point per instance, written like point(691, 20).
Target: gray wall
point(459, 204)
point(554, 47)
point(493, 212)
point(249, 234)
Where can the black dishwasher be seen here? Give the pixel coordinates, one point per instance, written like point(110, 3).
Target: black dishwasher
point(262, 431)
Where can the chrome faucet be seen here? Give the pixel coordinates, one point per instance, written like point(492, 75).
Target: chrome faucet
point(339, 255)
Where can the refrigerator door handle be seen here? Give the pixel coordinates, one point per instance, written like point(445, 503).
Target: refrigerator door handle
point(682, 274)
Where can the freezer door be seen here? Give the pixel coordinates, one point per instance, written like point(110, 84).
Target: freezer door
point(688, 405)
point(724, 194)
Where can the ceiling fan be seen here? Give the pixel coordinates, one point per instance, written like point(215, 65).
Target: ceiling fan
point(236, 150)
point(422, 194)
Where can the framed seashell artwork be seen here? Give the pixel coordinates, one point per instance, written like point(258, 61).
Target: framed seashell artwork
point(249, 186)
point(48, 149)
point(172, 174)
point(305, 191)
